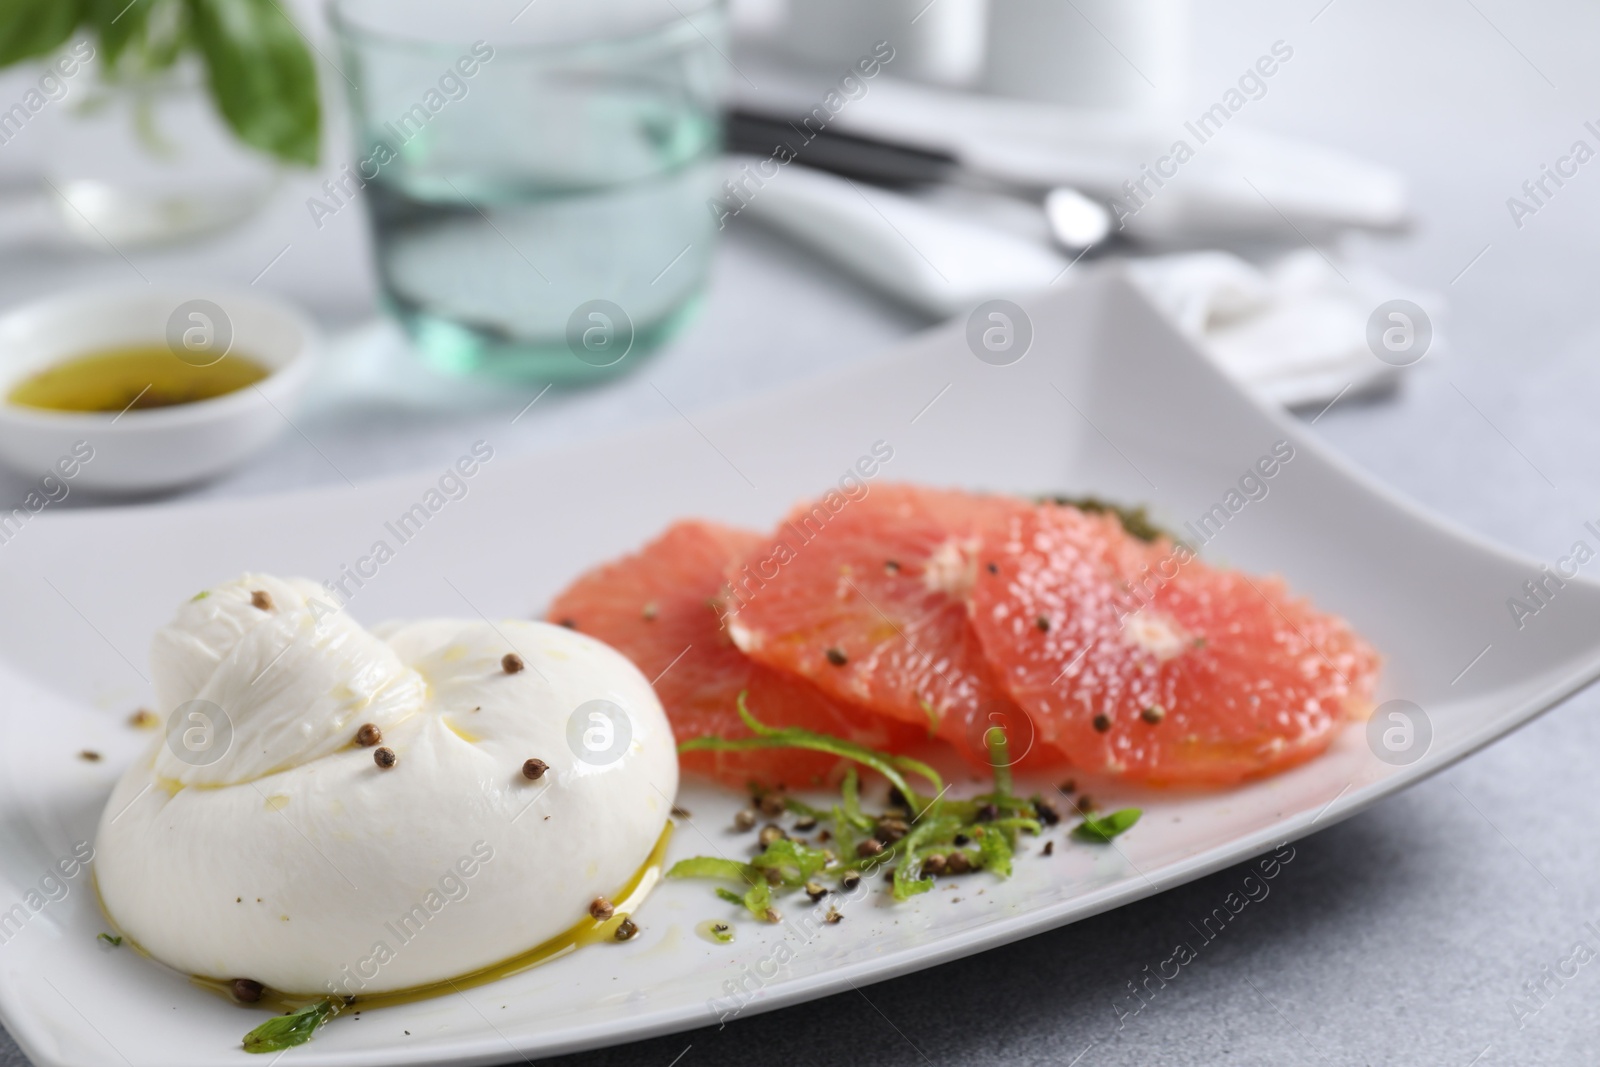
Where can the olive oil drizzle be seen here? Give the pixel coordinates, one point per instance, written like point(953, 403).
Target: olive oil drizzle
point(587, 932)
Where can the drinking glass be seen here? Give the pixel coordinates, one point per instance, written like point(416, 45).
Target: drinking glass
point(537, 174)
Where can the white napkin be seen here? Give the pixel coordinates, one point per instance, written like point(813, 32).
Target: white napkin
point(1294, 330)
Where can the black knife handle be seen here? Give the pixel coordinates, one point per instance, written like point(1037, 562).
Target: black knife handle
point(849, 155)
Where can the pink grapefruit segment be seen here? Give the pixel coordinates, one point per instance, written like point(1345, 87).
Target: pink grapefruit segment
point(1142, 661)
point(867, 599)
point(660, 608)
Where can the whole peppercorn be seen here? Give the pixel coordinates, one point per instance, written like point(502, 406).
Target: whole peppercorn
point(1047, 811)
point(369, 735)
point(385, 758)
point(534, 769)
point(890, 830)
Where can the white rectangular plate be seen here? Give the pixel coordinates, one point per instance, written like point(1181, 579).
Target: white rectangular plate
point(1108, 400)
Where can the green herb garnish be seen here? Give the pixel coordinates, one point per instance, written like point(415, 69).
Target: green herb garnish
point(713, 867)
point(999, 759)
point(1135, 520)
point(979, 832)
point(794, 737)
point(1102, 828)
point(794, 862)
point(113, 940)
point(295, 1028)
point(757, 901)
point(995, 851)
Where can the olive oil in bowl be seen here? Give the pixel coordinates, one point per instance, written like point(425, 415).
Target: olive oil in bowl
point(132, 377)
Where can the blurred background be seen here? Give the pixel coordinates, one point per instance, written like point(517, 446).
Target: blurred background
point(1274, 174)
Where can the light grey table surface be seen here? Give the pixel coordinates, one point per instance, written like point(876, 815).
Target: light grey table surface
point(1399, 936)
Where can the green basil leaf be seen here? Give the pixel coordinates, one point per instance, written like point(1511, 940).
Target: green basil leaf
point(117, 23)
point(36, 27)
point(262, 76)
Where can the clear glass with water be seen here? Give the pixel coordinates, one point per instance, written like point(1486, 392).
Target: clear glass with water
point(537, 174)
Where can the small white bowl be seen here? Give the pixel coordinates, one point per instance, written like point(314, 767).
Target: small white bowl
point(151, 449)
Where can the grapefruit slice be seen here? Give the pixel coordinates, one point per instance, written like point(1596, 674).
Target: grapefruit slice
point(659, 608)
point(867, 599)
point(1142, 661)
